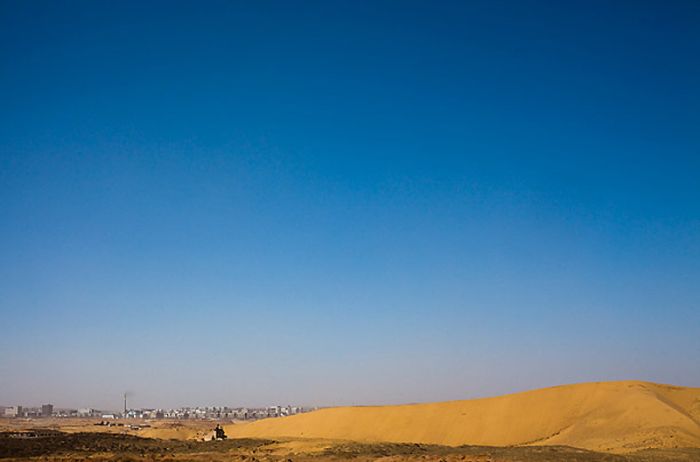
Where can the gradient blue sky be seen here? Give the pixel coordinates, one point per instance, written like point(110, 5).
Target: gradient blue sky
point(346, 202)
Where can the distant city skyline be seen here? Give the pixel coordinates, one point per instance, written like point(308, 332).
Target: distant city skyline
point(146, 412)
point(336, 203)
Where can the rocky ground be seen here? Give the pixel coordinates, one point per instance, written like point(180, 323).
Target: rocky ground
point(51, 445)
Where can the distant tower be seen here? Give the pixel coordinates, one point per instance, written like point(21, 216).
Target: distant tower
point(124, 404)
point(46, 410)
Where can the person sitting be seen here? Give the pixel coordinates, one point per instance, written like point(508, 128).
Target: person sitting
point(219, 432)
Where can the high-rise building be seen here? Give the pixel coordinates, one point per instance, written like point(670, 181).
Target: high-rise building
point(46, 410)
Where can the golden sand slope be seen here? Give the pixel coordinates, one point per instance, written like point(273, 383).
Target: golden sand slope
point(604, 416)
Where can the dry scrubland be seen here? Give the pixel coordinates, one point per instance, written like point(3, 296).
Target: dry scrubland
point(158, 429)
point(613, 422)
point(113, 447)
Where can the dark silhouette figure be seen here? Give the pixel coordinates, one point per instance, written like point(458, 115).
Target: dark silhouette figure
point(219, 432)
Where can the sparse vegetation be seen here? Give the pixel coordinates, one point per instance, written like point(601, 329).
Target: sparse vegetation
point(57, 446)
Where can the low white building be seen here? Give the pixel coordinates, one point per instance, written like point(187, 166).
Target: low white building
point(14, 411)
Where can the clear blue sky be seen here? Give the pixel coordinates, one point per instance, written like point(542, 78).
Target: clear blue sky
point(346, 202)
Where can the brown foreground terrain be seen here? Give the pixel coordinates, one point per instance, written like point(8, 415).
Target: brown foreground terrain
point(55, 446)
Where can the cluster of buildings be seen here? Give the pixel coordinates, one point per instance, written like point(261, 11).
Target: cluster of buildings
point(202, 413)
point(215, 413)
point(46, 410)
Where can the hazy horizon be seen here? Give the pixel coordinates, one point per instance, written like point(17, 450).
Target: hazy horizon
point(252, 203)
point(117, 405)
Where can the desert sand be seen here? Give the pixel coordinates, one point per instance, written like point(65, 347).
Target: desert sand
point(615, 417)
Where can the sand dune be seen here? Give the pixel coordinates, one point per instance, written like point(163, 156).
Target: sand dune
point(604, 416)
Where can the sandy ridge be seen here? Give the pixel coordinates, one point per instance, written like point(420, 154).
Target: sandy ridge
point(602, 416)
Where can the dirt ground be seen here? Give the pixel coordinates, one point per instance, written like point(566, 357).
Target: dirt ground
point(54, 446)
point(161, 429)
